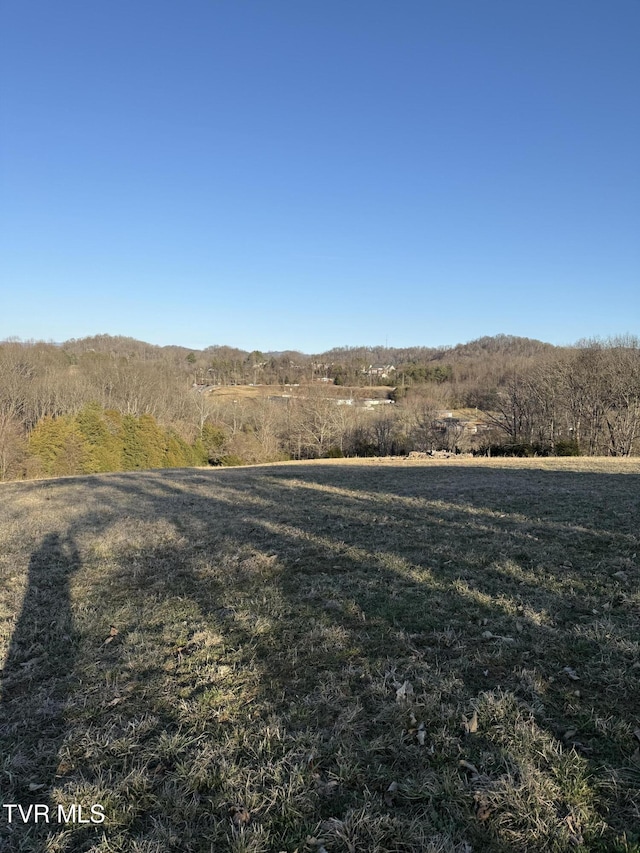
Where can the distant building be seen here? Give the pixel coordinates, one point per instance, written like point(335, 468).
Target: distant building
point(381, 371)
point(369, 404)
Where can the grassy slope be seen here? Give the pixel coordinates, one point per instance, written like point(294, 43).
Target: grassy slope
point(355, 656)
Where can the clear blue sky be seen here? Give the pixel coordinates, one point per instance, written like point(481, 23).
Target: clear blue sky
point(309, 173)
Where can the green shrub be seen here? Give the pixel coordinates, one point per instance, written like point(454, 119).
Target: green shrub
point(98, 440)
point(522, 449)
point(334, 452)
point(211, 444)
point(567, 447)
point(232, 459)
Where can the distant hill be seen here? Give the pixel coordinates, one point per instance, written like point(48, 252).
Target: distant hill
point(496, 344)
point(500, 345)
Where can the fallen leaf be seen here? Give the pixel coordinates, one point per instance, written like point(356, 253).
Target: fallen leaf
point(569, 734)
point(622, 576)
point(467, 765)
point(488, 635)
point(470, 726)
point(636, 733)
point(113, 632)
point(573, 675)
point(421, 734)
point(35, 787)
point(483, 806)
point(575, 836)
point(390, 793)
point(114, 702)
point(404, 692)
point(239, 816)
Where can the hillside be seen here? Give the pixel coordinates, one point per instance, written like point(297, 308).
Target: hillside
point(116, 404)
point(348, 656)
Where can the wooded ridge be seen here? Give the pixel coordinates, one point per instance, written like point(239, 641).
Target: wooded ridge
point(107, 403)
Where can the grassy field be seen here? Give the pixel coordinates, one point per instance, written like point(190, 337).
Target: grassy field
point(247, 392)
point(328, 658)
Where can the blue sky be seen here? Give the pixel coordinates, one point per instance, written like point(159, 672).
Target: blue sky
point(302, 174)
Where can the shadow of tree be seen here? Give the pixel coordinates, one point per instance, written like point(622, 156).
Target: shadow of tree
point(266, 620)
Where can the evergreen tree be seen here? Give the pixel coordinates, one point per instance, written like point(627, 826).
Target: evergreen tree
point(103, 438)
point(56, 447)
point(144, 443)
point(178, 453)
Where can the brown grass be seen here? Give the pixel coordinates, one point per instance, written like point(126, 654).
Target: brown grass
point(323, 389)
point(351, 656)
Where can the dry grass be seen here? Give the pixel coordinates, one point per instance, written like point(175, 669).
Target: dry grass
point(323, 389)
point(352, 656)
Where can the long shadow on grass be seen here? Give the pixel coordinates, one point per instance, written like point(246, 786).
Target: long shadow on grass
point(36, 682)
point(261, 646)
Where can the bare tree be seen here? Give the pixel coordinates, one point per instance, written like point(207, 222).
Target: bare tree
point(12, 445)
point(623, 381)
point(384, 429)
point(268, 423)
point(424, 427)
point(587, 396)
point(313, 423)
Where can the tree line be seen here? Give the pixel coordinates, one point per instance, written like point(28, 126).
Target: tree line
point(110, 403)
